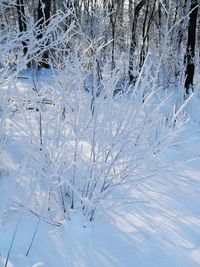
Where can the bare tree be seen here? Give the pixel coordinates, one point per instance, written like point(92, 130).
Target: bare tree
point(190, 52)
point(145, 32)
point(22, 21)
point(133, 45)
point(44, 14)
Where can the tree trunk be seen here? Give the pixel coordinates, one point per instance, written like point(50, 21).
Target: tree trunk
point(44, 14)
point(44, 11)
point(145, 34)
point(113, 23)
point(190, 52)
point(22, 22)
point(132, 77)
point(144, 38)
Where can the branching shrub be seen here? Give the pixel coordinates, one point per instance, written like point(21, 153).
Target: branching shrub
point(83, 141)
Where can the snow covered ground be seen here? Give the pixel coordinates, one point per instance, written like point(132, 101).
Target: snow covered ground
point(161, 228)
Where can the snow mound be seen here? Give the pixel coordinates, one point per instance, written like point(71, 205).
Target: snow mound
point(3, 261)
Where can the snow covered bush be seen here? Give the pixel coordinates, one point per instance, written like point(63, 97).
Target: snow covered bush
point(85, 135)
point(82, 146)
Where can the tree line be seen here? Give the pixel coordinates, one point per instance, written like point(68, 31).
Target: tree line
point(137, 30)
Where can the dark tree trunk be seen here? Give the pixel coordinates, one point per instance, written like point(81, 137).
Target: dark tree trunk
point(145, 34)
point(130, 11)
point(113, 23)
point(160, 22)
point(144, 38)
point(132, 77)
point(44, 14)
point(190, 52)
point(22, 22)
point(44, 11)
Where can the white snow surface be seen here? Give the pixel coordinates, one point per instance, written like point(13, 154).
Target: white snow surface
point(161, 229)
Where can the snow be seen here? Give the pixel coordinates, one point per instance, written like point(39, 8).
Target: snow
point(3, 261)
point(160, 227)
